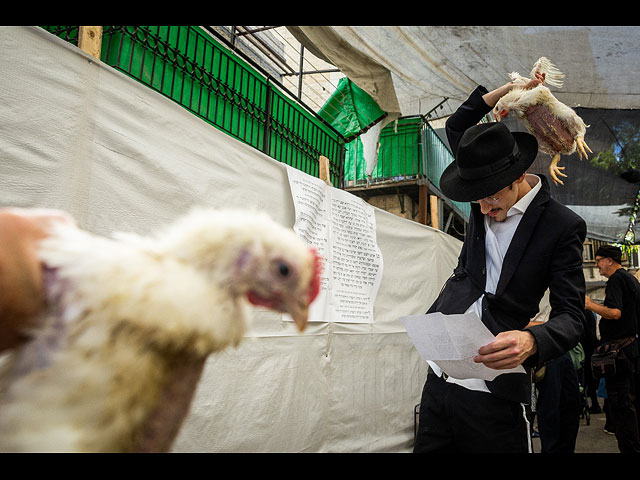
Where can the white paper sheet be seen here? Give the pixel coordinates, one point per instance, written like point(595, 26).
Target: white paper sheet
point(452, 341)
point(343, 229)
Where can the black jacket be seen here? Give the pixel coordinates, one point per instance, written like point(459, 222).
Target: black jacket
point(545, 252)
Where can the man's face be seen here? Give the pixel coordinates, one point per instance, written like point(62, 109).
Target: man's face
point(604, 265)
point(498, 204)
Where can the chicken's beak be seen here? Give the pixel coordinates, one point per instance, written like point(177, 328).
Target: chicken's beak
point(299, 311)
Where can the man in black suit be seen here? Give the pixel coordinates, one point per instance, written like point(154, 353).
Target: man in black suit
point(519, 243)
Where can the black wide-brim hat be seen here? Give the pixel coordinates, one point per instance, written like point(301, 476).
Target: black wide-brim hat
point(489, 158)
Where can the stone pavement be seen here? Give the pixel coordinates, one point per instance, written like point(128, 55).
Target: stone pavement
point(591, 438)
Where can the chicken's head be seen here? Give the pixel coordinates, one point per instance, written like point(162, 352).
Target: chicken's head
point(281, 271)
point(251, 255)
point(500, 111)
point(515, 101)
point(285, 281)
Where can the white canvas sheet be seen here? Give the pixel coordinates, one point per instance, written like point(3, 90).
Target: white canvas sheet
point(77, 135)
point(411, 69)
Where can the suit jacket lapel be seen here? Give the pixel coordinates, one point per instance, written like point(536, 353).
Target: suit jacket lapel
point(476, 267)
point(522, 236)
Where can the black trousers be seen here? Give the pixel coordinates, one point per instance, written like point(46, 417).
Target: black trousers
point(559, 406)
point(623, 404)
point(455, 419)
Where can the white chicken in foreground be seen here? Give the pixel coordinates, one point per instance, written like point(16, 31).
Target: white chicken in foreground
point(557, 127)
point(131, 321)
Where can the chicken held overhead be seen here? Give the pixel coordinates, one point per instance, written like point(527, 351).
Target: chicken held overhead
point(130, 322)
point(557, 127)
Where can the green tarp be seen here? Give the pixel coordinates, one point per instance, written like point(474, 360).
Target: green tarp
point(351, 110)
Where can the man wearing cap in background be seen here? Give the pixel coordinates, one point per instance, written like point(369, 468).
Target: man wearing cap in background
point(618, 324)
point(519, 243)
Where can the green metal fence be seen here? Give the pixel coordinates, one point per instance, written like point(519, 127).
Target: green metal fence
point(438, 157)
point(399, 155)
point(189, 66)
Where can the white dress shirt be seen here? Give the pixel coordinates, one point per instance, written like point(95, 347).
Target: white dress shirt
point(498, 237)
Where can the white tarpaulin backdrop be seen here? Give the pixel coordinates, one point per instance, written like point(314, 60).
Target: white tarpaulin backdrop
point(421, 65)
point(79, 136)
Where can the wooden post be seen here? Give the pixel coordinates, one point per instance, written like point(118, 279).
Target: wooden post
point(325, 172)
point(433, 201)
point(90, 40)
point(423, 197)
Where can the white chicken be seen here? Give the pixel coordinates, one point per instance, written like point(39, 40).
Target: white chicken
point(557, 127)
point(131, 321)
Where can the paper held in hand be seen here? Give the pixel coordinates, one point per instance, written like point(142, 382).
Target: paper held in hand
point(451, 341)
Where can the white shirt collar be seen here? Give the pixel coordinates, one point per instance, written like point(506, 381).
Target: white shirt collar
point(521, 205)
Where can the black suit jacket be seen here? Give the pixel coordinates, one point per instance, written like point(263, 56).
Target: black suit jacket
point(545, 252)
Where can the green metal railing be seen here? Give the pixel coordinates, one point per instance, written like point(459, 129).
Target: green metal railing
point(438, 157)
point(400, 155)
point(190, 67)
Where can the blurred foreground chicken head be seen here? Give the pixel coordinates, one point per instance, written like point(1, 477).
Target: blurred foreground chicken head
point(131, 320)
point(251, 256)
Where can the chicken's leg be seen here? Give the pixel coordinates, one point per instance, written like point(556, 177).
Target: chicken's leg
point(554, 170)
point(582, 147)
